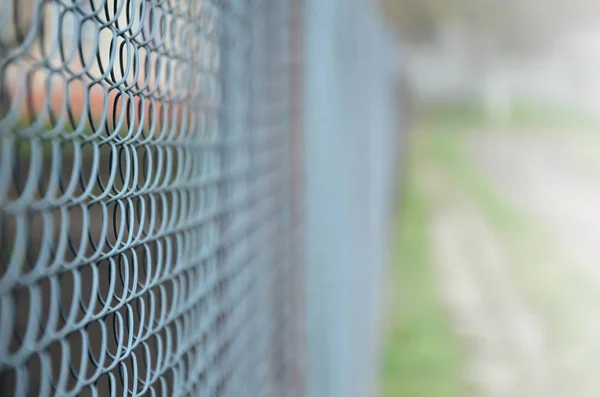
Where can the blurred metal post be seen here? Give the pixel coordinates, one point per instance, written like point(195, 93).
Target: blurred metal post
point(350, 140)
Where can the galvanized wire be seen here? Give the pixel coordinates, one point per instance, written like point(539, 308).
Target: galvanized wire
point(145, 228)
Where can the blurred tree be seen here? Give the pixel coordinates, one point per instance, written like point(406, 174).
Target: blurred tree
point(419, 20)
point(494, 32)
point(511, 27)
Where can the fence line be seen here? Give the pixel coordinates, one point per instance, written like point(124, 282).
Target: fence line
point(192, 196)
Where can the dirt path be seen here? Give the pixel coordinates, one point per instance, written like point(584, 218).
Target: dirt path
point(550, 178)
point(506, 340)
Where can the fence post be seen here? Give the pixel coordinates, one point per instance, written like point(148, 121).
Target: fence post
point(350, 133)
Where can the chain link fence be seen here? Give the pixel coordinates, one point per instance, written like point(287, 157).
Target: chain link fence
point(162, 205)
point(145, 208)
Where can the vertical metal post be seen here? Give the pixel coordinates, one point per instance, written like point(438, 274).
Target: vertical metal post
point(350, 134)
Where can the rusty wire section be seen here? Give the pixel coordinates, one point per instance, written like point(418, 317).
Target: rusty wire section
point(145, 229)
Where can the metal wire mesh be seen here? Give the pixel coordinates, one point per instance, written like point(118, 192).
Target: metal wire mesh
point(146, 236)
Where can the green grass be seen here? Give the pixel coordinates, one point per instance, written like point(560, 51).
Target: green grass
point(422, 356)
point(522, 115)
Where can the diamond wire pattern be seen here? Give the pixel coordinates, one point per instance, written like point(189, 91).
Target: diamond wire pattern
point(145, 226)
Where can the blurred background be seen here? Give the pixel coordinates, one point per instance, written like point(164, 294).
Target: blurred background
point(386, 197)
point(494, 282)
